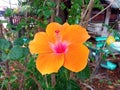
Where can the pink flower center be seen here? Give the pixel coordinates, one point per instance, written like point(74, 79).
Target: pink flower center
point(59, 46)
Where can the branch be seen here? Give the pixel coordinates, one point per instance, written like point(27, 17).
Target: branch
point(53, 80)
point(8, 74)
point(57, 7)
point(86, 14)
point(38, 84)
point(22, 67)
point(88, 86)
point(101, 11)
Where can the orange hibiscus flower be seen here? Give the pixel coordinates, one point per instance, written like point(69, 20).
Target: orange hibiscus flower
point(60, 45)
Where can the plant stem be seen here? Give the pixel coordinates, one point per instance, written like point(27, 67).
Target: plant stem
point(99, 60)
point(86, 14)
point(22, 67)
point(53, 15)
point(57, 7)
point(46, 81)
point(101, 11)
point(8, 74)
point(53, 80)
point(72, 75)
point(38, 84)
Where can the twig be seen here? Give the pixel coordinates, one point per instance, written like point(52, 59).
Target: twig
point(46, 81)
point(86, 14)
point(83, 2)
point(53, 15)
point(99, 60)
point(88, 86)
point(53, 80)
point(8, 74)
point(57, 7)
point(38, 84)
point(101, 11)
point(89, 13)
point(44, 2)
point(21, 82)
point(72, 76)
point(22, 67)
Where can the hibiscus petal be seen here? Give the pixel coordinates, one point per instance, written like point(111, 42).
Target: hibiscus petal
point(76, 57)
point(40, 44)
point(49, 63)
point(53, 27)
point(65, 25)
point(76, 33)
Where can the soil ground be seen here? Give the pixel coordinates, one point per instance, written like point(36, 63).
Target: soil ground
point(105, 79)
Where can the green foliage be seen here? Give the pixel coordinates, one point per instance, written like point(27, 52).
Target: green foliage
point(4, 45)
point(72, 85)
point(4, 49)
point(17, 53)
point(67, 85)
point(13, 78)
point(64, 83)
point(84, 74)
point(58, 19)
point(18, 42)
point(4, 56)
point(75, 12)
point(4, 83)
point(8, 12)
point(97, 4)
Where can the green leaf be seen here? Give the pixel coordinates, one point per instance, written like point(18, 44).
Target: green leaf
point(19, 42)
point(25, 52)
point(13, 78)
point(4, 83)
point(51, 4)
point(8, 12)
point(62, 5)
point(42, 25)
point(16, 53)
point(31, 64)
point(4, 56)
point(72, 85)
point(58, 19)
point(47, 13)
point(84, 74)
point(61, 79)
point(4, 44)
point(67, 85)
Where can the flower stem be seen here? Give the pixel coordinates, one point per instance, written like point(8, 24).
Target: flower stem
point(46, 82)
point(8, 74)
point(53, 80)
point(66, 74)
point(72, 76)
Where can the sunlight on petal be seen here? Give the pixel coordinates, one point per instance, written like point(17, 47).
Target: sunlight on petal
point(53, 27)
point(65, 25)
point(51, 30)
point(76, 33)
point(76, 57)
point(49, 63)
point(39, 44)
